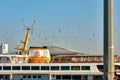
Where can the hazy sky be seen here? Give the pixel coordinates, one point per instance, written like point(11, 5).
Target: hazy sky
point(71, 24)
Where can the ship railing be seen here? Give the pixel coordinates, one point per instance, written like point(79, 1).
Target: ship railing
point(61, 61)
point(78, 61)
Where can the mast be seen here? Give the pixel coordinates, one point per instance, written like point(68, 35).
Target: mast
point(26, 39)
point(25, 43)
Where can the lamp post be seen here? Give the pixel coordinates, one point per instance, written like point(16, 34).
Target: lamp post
point(108, 40)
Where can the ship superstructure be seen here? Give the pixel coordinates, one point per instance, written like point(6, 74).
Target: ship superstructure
point(3, 48)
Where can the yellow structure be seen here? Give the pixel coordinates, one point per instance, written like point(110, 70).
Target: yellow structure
point(39, 55)
point(24, 49)
point(35, 54)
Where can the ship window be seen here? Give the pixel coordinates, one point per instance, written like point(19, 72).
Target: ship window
point(16, 68)
point(24, 76)
point(34, 67)
point(100, 68)
point(66, 77)
point(76, 77)
point(85, 67)
point(29, 76)
point(0, 68)
point(39, 76)
point(6, 77)
point(44, 67)
point(97, 77)
point(54, 67)
point(75, 67)
point(6, 67)
point(25, 67)
point(58, 76)
point(65, 68)
point(117, 67)
point(1, 76)
point(34, 76)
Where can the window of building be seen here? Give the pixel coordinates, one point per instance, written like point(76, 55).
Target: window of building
point(75, 67)
point(54, 67)
point(44, 67)
point(35, 68)
point(6, 67)
point(85, 67)
point(65, 67)
point(15, 67)
point(25, 67)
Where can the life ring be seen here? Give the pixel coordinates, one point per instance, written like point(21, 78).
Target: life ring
point(37, 53)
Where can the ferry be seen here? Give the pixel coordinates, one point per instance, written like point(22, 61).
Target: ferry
point(51, 63)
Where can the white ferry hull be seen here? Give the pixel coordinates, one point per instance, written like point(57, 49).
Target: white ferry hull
point(50, 71)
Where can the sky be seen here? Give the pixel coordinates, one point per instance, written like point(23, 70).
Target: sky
point(70, 24)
